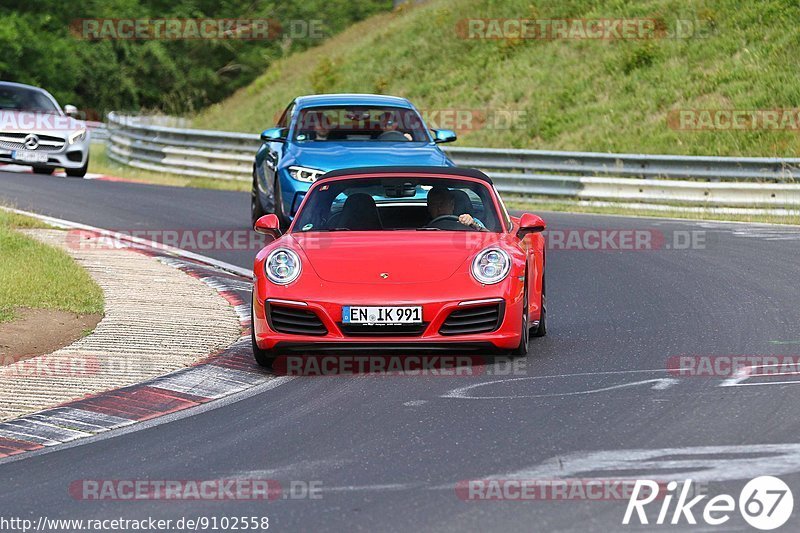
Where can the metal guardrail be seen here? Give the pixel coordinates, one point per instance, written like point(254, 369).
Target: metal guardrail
point(712, 181)
point(98, 131)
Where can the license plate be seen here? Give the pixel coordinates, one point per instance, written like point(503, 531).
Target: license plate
point(381, 315)
point(28, 156)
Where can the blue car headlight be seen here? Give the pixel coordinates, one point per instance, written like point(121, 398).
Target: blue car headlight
point(309, 175)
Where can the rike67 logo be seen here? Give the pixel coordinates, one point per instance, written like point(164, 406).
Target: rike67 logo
point(765, 503)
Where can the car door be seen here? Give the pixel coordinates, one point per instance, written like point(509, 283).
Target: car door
point(275, 150)
point(268, 160)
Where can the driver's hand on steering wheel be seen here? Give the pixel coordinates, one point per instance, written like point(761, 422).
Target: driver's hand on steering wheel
point(467, 220)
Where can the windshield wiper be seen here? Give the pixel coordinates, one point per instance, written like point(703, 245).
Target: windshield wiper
point(425, 228)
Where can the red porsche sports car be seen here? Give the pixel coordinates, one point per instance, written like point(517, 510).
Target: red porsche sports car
point(399, 258)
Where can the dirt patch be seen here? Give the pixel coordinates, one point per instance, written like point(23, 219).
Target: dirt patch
point(41, 331)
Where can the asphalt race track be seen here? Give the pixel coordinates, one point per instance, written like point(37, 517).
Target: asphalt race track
point(389, 451)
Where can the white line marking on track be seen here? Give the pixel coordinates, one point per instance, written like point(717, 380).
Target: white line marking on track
point(66, 224)
point(700, 463)
point(461, 393)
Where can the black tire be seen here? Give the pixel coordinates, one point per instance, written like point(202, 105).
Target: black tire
point(256, 207)
point(279, 205)
point(524, 342)
point(43, 170)
point(256, 210)
point(78, 172)
point(264, 358)
point(541, 330)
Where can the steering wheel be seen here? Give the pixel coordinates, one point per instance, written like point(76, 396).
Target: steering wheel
point(443, 218)
point(447, 222)
point(393, 135)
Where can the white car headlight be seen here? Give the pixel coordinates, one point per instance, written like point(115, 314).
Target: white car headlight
point(77, 136)
point(305, 174)
point(282, 266)
point(491, 266)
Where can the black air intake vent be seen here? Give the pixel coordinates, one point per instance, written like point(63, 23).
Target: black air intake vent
point(295, 321)
point(482, 319)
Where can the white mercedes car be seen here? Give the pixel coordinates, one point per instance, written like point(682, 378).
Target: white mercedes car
point(36, 131)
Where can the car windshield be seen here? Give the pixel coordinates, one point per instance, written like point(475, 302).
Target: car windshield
point(25, 99)
point(399, 203)
point(349, 123)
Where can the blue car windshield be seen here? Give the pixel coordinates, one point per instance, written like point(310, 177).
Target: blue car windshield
point(398, 203)
point(350, 123)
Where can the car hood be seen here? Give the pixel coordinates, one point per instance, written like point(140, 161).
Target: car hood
point(406, 256)
point(335, 155)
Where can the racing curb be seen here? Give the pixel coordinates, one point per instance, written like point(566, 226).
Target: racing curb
point(223, 374)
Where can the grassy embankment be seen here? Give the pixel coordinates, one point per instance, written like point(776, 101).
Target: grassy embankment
point(566, 94)
point(35, 275)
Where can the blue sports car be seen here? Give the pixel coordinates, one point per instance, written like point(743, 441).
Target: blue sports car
point(320, 133)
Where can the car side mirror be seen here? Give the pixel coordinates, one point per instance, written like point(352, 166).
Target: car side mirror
point(71, 111)
point(269, 225)
point(274, 135)
point(530, 223)
point(444, 136)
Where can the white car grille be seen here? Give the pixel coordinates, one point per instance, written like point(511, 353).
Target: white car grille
point(31, 141)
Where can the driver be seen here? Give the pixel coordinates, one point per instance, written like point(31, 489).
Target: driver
point(441, 203)
point(321, 130)
point(389, 123)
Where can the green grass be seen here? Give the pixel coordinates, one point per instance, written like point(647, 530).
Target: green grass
point(9, 219)
point(38, 276)
point(587, 95)
point(539, 204)
point(102, 164)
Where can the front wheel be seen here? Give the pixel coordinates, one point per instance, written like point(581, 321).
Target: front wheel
point(78, 172)
point(541, 330)
point(524, 340)
point(279, 205)
point(264, 358)
point(256, 211)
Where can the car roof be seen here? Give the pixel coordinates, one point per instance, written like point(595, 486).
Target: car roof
point(446, 171)
point(352, 99)
point(33, 88)
point(23, 86)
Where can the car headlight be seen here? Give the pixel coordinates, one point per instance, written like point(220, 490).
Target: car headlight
point(305, 174)
point(282, 266)
point(77, 136)
point(491, 266)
